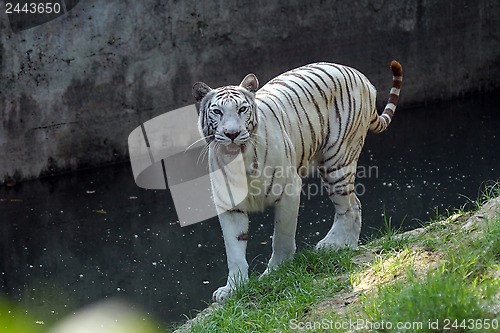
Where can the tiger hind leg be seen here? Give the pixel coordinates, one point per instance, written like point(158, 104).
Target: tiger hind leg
point(347, 222)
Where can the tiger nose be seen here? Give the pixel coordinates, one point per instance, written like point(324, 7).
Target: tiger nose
point(232, 135)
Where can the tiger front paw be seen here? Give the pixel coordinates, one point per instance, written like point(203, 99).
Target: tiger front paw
point(222, 293)
point(334, 245)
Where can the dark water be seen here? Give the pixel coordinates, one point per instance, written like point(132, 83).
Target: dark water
point(72, 240)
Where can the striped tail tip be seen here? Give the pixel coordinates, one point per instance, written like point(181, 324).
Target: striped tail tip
point(380, 123)
point(396, 68)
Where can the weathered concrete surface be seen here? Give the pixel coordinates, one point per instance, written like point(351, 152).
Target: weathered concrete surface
point(72, 89)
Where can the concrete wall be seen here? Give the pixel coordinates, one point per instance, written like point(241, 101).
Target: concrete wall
point(72, 89)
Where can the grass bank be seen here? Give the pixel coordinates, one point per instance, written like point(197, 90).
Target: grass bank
point(444, 276)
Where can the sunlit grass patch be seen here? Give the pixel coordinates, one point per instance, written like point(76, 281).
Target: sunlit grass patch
point(438, 297)
point(463, 288)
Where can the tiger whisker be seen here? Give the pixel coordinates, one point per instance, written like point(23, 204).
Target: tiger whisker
point(203, 153)
point(203, 138)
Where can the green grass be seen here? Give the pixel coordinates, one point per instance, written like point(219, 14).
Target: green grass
point(487, 191)
point(388, 237)
point(437, 297)
point(289, 292)
point(460, 291)
point(460, 287)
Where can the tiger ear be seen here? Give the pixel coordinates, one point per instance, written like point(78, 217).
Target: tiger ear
point(200, 90)
point(250, 83)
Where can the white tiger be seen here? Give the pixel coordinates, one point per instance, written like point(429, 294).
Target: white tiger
point(318, 116)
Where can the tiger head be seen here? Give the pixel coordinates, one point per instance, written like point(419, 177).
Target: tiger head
point(228, 115)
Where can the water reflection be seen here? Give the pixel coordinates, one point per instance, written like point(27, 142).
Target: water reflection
point(71, 240)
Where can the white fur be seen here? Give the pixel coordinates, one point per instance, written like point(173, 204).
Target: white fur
point(286, 125)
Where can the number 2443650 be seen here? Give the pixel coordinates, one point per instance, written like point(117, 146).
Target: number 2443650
point(33, 8)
